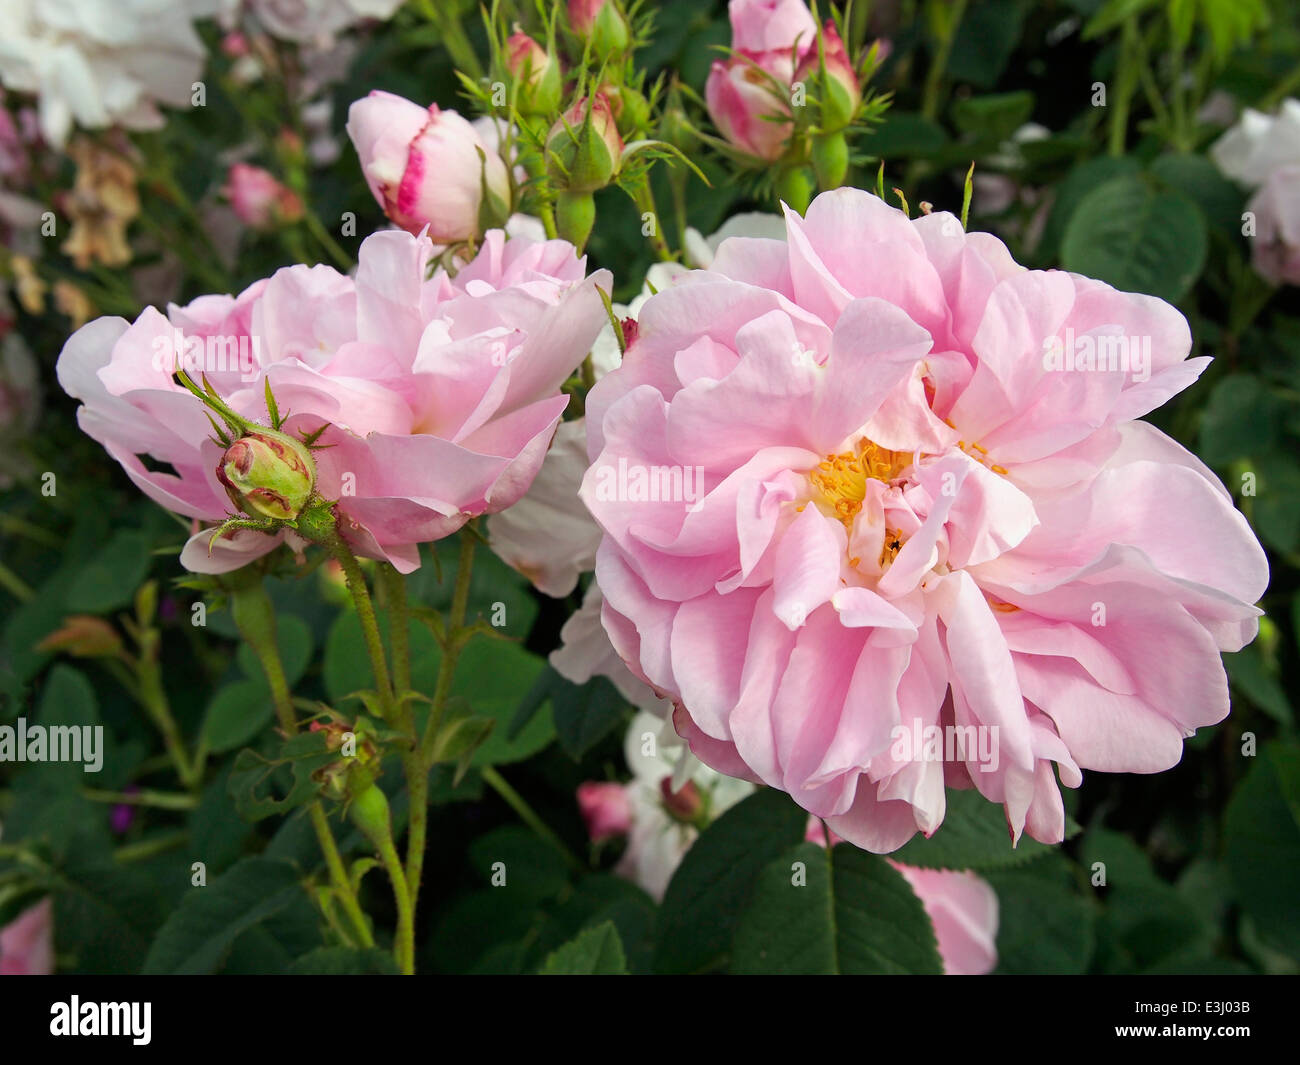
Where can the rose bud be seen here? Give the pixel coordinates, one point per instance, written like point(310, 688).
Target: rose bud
point(836, 81)
point(428, 167)
point(538, 74)
point(605, 809)
point(603, 24)
point(268, 474)
point(586, 145)
point(685, 805)
point(259, 200)
point(746, 105)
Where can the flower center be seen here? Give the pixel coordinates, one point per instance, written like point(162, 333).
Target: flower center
point(841, 480)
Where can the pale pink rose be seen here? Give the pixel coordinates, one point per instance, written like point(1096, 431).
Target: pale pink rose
point(426, 167)
point(27, 942)
point(771, 25)
point(605, 810)
point(439, 394)
point(913, 516)
point(964, 911)
point(961, 906)
point(258, 199)
point(1275, 247)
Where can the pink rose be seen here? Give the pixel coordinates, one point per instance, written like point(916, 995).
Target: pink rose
point(426, 167)
point(1275, 247)
point(842, 92)
point(27, 942)
point(438, 395)
point(913, 516)
point(258, 198)
point(605, 809)
point(771, 25)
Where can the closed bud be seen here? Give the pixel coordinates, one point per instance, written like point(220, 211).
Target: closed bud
point(836, 81)
point(584, 147)
point(268, 474)
point(685, 805)
point(538, 75)
point(603, 24)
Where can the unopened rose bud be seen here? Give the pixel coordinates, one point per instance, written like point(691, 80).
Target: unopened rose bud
point(630, 108)
point(83, 636)
point(605, 809)
point(259, 200)
point(584, 146)
point(428, 167)
point(268, 474)
point(746, 103)
point(602, 23)
point(836, 81)
point(538, 74)
point(686, 805)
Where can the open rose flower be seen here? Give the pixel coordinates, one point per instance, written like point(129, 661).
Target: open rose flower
point(920, 508)
point(438, 396)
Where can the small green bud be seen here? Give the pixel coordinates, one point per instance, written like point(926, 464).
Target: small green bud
point(268, 474)
point(583, 147)
point(369, 812)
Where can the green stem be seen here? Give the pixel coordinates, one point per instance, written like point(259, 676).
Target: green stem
point(15, 585)
point(934, 76)
point(317, 229)
point(404, 947)
point(339, 875)
point(152, 695)
point(451, 652)
point(645, 203)
point(356, 582)
point(1125, 86)
point(149, 848)
point(423, 756)
point(255, 617)
point(454, 39)
point(163, 800)
point(527, 815)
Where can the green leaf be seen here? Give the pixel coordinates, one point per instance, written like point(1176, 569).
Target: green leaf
point(974, 835)
point(109, 580)
point(1250, 675)
point(251, 783)
point(209, 919)
point(494, 675)
point(995, 117)
point(1240, 421)
point(584, 713)
point(843, 911)
point(1198, 178)
point(705, 897)
point(236, 714)
point(1080, 181)
point(1137, 238)
point(459, 737)
point(342, 961)
point(533, 868)
point(1044, 925)
point(595, 952)
point(1262, 845)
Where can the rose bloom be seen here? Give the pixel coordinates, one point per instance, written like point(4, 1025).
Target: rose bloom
point(913, 516)
point(439, 396)
point(313, 22)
